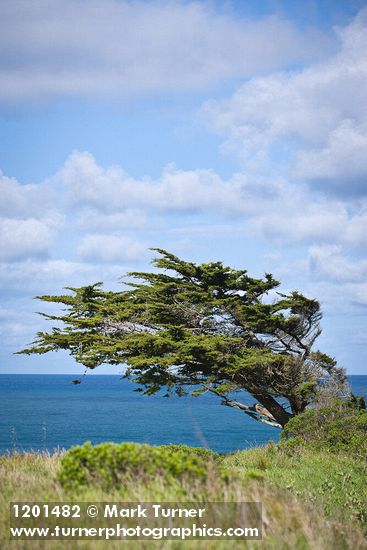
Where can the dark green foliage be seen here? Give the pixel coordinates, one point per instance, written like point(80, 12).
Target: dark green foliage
point(198, 328)
point(109, 464)
point(340, 427)
point(358, 402)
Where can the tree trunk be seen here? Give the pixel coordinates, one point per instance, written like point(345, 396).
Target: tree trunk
point(280, 414)
point(297, 406)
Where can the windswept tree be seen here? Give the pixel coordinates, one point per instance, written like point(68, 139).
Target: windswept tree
point(200, 328)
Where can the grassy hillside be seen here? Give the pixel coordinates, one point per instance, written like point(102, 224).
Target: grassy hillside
point(311, 499)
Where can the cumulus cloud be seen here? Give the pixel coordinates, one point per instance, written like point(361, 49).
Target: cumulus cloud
point(24, 238)
point(309, 124)
point(84, 48)
point(273, 208)
point(111, 189)
point(18, 201)
point(343, 159)
point(296, 215)
point(329, 262)
point(101, 204)
point(29, 219)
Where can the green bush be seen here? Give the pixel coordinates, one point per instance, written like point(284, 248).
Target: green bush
point(196, 451)
point(340, 427)
point(109, 463)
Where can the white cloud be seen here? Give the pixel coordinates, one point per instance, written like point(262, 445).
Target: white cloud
point(16, 325)
point(19, 201)
point(112, 190)
point(35, 276)
point(104, 208)
point(343, 159)
point(24, 238)
point(332, 273)
point(296, 215)
point(100, 204)
point(82, 48)
point(268, 207)
point(93, 220)
point(329, 262)
point(111, 248)
point(29, 219)
point(310, 124)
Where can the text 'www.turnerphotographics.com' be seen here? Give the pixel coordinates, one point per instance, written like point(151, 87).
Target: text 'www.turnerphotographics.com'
point(155, 520)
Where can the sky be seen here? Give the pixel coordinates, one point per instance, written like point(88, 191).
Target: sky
point(218, 130)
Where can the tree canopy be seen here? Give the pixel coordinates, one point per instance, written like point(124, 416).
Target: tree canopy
point(200, 328)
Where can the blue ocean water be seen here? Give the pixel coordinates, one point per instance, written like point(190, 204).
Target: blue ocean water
point(39, 412)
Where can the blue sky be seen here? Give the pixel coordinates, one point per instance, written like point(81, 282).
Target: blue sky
point(231, 131)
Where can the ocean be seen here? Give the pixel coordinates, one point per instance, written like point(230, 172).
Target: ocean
point(47, 412)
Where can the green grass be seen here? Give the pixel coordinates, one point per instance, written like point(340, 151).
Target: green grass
point(336, 484)
point(311, 500)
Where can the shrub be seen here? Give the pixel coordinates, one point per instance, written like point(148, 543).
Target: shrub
point(195, 451)
point(340, 427)
point(109, 463)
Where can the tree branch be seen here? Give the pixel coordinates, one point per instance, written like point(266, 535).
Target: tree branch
point(256, 411)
